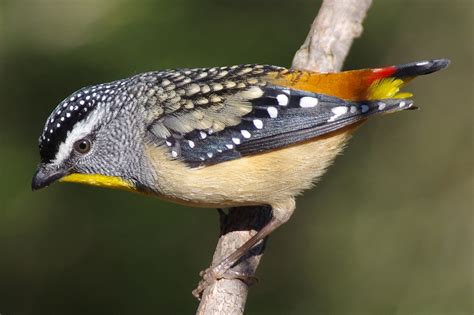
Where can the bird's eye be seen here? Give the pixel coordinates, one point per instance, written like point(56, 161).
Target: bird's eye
point(82, 146)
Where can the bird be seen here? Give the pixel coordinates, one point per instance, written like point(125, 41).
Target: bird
point(218, 137)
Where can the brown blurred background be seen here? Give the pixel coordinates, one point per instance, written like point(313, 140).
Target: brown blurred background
point(389, 230)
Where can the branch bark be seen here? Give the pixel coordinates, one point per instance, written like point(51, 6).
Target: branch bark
point(325, 48)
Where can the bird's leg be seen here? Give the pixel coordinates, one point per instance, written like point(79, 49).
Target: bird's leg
point(221, 270)
point(281, 213)
point(222, 219)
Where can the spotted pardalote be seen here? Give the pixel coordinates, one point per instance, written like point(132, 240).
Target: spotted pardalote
point(217, 137)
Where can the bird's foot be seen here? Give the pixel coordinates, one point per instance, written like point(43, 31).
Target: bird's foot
point(213, 274)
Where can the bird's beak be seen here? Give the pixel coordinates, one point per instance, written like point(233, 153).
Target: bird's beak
point(46, 175)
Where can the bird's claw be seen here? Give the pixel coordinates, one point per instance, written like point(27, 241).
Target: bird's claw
point(208, 278)
point(211, 275)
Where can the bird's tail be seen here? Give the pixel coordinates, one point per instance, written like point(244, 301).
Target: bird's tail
point(363, 85)
point(387, 82)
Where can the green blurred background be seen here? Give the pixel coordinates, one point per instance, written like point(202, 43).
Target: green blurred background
point(388, 230)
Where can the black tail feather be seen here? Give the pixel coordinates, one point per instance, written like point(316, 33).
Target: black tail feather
point(420, 68)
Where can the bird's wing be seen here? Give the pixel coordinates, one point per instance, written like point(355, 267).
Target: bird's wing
point(208, 116)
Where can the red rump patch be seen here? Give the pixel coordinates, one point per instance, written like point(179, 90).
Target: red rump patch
point(381, 73)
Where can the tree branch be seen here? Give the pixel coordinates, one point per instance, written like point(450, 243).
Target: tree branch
point(331, 35)
point(325, 48)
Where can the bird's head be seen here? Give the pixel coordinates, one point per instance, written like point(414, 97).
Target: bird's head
point(94, 137)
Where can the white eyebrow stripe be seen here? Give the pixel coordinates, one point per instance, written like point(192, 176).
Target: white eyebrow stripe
point(80, 130)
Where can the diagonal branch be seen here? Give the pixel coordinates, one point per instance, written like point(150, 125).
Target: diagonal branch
point(325, 48)
point(331, 35)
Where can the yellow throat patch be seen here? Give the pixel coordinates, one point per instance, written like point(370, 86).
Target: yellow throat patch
point(113, 182)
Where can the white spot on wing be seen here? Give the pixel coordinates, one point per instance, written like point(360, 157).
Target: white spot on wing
point(364, 108)
point(258, 123)
point(236, 140)
point(272, 111)
point(308, 102)
point(245, 133)
point(382, 105)
point(338, 111)
point(282, 99)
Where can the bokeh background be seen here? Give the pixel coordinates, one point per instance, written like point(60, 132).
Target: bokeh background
point(388, 231)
